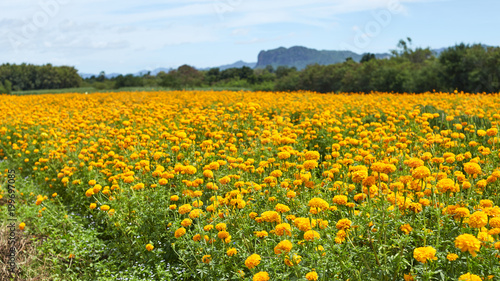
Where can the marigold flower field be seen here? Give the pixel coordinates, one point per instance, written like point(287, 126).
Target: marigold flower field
point(269, 185)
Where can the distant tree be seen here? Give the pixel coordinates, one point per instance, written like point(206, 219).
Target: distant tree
point(212, 75)
point(128, 80)
point(189, 76)
point(367, 57)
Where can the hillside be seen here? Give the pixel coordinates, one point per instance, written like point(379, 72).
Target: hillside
point(300, 57)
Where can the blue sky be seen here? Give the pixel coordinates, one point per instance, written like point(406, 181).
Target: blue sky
point(127, 36)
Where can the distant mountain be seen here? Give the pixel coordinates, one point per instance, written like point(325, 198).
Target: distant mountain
point(238, 64)
point(300, 57)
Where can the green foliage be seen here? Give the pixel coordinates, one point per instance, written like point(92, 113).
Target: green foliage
point(33, 77)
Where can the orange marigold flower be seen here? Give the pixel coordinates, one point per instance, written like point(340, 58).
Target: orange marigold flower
point(283, 247)
point(261, 234)
point(421, 172)
point(179, 232)
point(252, 261)
point(261, 276)
point(343, 224)
point(452, 256)
point(231, 252)
point(318, 203)
point(281, 208)
point(312, 276)
point(283, 229)
point(184, 209)
point(206, 258)
point(469, 277)
point(468, 242)
point(271, 216)
point(478, 219)
point(220, 226)
point(446, 184)
point(406, 228)
point(311, 235)
point(340, 199)
point(149, 247)
point(472, 168)
point(423, 254)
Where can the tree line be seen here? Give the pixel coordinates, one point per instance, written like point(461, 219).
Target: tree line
point(470, 68)
point(35, 77)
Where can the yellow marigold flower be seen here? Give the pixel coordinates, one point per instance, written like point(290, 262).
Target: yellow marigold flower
point(22, 226)
point(149, 247)
point(291, 194)
point(359, 175)
point(312, 276)
point(421, 172)
point(225, 180)
point(172, 207)
point(208, 174)
point(210, 227)
point(406, 228)
point(281, 208)
point(486, 203)
point(89, 192)
point(197, 238)
point(261, 234)
point(343, 224)
point(296, 259)
point(184, 209)
point(261, 276)
point(271, 216)
point(276, 173)
point(469, 277)
point(206, 258)
point(252, 261)
point(283, 155)
point(186, 222)
point(179, 232)
point(468, 242)
point(174, 198)
point(484, 237)
point(311, 235)
point(340, 199)
point(452, 256)
point(461, 212)
point(303, 224)
point(472, 168)
point(283, 247)
point(478, 219)
point(231, 252)
point(223, 234)
point(93, 206)
point(446, 184)
point(318, 203)
point(310, 164)
point(104, 207)
point(415, 162)
point(195, 213)
point(423, 254)
point(220, 226)
point(495, 222)
point(92, 182)
point(283, 229)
